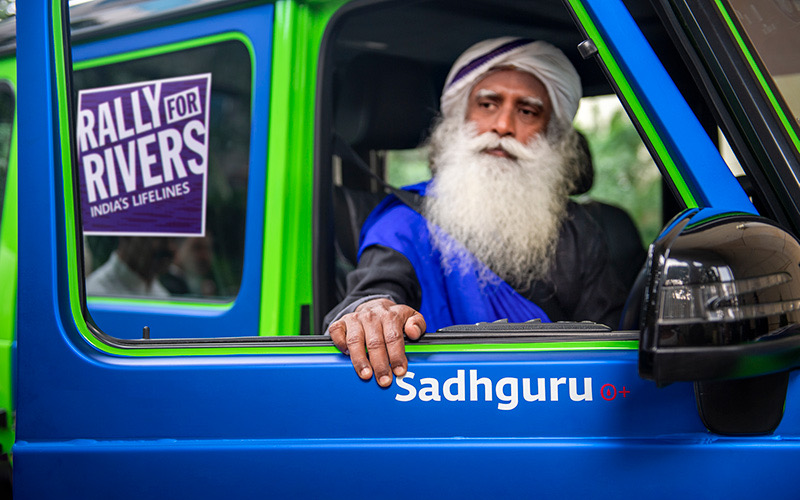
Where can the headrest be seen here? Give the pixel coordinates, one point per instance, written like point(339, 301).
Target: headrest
point(586, 169)
point(384, 103)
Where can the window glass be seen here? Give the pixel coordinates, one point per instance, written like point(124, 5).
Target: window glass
point(773, 28)
point(407, 166)
point(625, 174)
point(201, 258)
point(729, 156)
point(6, 130)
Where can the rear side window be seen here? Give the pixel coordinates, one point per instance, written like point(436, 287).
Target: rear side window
point(164, 148)
point(6, 130)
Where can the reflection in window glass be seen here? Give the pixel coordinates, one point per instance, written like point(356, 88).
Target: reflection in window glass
point(729, 156)
point(195, 267)
point(773, 28)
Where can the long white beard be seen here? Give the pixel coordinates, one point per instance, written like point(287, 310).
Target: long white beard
point(506, 212)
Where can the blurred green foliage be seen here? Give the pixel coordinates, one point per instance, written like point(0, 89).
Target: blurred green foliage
point(8, 8)
point(625, 174)
point(407, 166)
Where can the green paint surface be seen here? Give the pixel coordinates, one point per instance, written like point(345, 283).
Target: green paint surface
point(8, 269)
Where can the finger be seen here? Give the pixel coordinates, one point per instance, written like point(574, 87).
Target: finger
point(355, 346)
point(338, 332)
point(395, 346)
point(378, 357)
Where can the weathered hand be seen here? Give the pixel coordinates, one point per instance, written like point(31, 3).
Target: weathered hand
point(372, 336)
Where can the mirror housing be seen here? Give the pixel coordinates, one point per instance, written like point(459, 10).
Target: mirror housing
point(722, 309)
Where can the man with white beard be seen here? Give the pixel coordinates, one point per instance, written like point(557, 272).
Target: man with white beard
point(497, 236)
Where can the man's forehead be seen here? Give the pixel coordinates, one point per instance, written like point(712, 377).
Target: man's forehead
point(512, 78)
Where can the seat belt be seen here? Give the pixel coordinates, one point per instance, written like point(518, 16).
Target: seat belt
point(346, 152)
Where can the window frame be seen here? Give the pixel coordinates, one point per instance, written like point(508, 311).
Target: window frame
point(242, 313)
point(278, 345)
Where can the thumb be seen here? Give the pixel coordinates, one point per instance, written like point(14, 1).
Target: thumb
point(414, 326)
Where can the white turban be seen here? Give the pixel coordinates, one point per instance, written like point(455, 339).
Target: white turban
point(542, 60)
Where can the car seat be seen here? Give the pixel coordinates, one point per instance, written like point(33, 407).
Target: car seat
point(621, 235)
point(381, 103)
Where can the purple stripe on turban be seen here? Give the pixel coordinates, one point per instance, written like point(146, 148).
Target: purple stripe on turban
point(470, 66)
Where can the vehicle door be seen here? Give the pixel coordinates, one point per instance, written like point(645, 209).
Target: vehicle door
point(559, 412)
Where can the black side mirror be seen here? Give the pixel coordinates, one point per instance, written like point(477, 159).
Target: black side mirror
point(722, 309)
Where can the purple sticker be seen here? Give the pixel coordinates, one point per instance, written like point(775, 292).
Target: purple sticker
point(143, 157)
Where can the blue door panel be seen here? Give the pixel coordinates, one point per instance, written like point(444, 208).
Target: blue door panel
point(402, 469)
point(86, 395)
point(286, 396)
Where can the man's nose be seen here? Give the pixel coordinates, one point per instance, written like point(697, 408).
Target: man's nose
point(504, 124)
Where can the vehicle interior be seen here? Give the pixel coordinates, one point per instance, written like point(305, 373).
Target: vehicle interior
point(382, 67)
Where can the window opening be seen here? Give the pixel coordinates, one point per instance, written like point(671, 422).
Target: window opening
point(407, 166)
point(361, 53)
point(625, 174)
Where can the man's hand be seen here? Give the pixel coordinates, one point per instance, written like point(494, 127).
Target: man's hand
point(373, 338)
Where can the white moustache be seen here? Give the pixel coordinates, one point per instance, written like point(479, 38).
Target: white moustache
point(514, 228)
point(490, 140)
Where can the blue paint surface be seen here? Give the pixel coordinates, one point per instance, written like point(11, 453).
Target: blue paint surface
point(696, 156)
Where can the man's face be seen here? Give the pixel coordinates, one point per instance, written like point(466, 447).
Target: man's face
point(509, 103)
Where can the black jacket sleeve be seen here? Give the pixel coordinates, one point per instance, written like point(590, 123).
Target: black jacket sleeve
point(381, 272)
point(581, 287)
point(584, 285)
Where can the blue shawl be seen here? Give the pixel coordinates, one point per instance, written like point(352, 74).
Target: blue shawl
point(447, 298)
